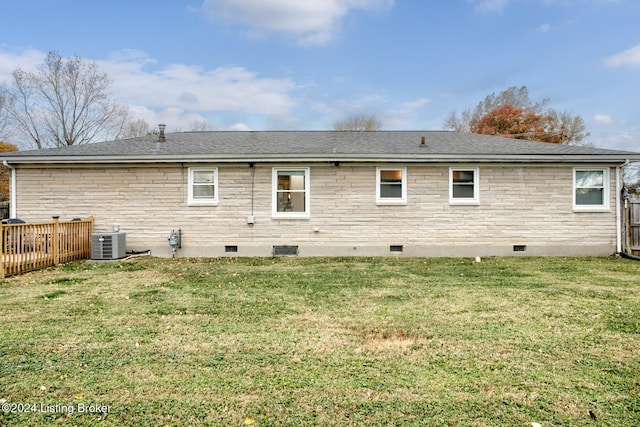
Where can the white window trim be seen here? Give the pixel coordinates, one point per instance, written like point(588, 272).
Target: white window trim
point(605, 206)
point(274, 195)
point(203, 202)
point(475, 200)
point(388, 200)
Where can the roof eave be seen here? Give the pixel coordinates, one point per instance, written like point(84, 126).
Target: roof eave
point(288, 158)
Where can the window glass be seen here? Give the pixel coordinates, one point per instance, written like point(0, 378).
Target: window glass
point(462, 177)
point(589, 187)
point(391, 186)
point(203, 176)
point(291, 191)
point(204, 191)
point(463, 185)
point(590, 178)
point(203, 185)
point(463, 191)
point(589, 196)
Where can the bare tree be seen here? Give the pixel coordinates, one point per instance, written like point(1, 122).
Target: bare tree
point(3, 111)
point(200, 126)
point(573, 127)
point(631, 178)
point(459, 123)
point(135, 129)
point(64, 103)
point(359, 122)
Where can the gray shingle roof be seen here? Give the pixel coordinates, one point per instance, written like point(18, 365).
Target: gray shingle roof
point(315, 145)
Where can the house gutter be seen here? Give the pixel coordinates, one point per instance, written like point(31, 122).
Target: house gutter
point(14, 197)
point(287, 158)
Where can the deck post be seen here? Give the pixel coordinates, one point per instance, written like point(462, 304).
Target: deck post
point(55, 241)
point(4, 250)
point(89, 233)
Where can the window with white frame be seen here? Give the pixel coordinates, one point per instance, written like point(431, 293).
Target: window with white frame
point(203, 186)
point(464, 186)
point(391, 186)
point(590, 189)
point(291, 192)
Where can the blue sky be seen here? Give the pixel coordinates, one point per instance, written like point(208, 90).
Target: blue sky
point(304, 64)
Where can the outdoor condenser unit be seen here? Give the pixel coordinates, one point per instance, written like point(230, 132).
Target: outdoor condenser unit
point(108, 245)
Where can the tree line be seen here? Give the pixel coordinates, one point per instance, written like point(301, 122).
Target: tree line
point(66, 102)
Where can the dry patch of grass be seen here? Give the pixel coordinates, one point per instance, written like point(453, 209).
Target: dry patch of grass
point(326, 341)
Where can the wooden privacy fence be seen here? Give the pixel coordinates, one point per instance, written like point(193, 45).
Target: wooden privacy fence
point(631, 226)
point(27, 247)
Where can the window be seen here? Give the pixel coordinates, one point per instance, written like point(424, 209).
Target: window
point(291, 193)
point(590, 189)
point(203, 186)
point(463, 186)
point(391, 186)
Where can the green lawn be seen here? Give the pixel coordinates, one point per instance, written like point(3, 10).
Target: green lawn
point(323, 341)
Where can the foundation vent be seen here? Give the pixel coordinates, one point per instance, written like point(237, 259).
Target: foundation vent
point(519, 248)
point(285, 250)
point(396, 248)
point(231, 248)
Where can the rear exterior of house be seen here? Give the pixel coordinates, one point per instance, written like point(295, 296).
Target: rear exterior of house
point(404, 193)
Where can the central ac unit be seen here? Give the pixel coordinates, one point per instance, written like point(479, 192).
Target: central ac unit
point(108, 245)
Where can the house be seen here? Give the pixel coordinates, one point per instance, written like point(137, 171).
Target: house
point(416, 193)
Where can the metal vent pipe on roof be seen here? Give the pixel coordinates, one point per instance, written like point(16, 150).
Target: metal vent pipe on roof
point(161, 137)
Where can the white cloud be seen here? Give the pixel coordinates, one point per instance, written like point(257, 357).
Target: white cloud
point(628, 58)
point(340, 109)
point(176, 119)
point(195, 89)
point(544, 28)
point(311, 22)
point(498, 6)
point(28, 60)
point(239, 126)
point(603, 119)
point(392, 116)
point(624, 140)
point(613, 133)
point(179, 94)
point(404, 114)
point(414, 105)
point(490, 5)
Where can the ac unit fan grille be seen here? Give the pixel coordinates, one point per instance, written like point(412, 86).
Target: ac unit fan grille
point(108, 246)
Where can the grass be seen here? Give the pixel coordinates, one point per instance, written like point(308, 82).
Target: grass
point(324, 341)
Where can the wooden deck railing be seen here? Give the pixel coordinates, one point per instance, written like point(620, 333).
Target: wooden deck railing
point(27, 247)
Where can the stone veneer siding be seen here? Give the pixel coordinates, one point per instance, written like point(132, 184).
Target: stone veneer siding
point(519, 205)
